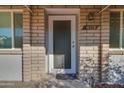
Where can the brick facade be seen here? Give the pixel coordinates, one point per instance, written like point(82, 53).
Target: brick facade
point(92, 45)
point(89, 44)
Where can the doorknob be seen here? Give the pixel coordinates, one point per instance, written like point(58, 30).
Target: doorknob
point(73, 43)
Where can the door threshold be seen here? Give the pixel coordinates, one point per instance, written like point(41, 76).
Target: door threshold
point(66, 76)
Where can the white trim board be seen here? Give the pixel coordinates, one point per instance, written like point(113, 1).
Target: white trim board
point(62, 11)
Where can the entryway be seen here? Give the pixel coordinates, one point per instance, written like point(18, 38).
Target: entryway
point(62, 44)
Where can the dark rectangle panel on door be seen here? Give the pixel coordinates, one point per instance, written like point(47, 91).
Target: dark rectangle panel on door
point(62, 44)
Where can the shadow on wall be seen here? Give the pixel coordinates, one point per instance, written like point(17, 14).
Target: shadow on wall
point(91, 48)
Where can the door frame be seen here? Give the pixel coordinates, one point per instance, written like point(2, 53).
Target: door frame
point(51, 69)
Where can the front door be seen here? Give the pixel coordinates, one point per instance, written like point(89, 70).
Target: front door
point(61, 44)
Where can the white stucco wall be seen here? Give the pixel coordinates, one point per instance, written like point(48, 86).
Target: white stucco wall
point(10, 67)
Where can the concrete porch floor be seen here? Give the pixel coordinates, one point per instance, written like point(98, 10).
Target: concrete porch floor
point(49, 82)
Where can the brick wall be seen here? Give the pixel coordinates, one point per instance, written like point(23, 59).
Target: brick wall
point(89, 44)
point(26, 45)
point(34, 40)
point(37, 43)
point(104, 43)
point(33, 50)
point(26, 40)
point(34, 44)
point(91, 52)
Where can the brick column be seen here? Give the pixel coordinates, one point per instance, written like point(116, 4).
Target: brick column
point(104, 43)
point(26, 45)
point(38, 43)
point(89, 42)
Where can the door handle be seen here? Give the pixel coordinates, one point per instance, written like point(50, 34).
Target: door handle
point(73, 43)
